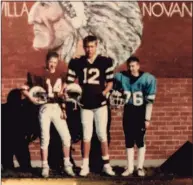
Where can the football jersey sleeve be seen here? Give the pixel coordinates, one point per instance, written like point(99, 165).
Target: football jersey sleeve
point(117, 83)
point(150, 89)
point(117, 77)
point(109, 76)
point(71, 74)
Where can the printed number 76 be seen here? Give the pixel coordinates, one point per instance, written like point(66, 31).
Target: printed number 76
point(136, 96)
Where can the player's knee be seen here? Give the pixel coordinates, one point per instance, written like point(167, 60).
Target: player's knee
point(102, 136)
point(87, 138)
point(66, 141)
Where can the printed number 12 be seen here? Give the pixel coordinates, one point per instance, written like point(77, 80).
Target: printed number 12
point(93, 79)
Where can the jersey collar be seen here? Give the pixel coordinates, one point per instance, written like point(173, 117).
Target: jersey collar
point(132, 78)
point(94, 58)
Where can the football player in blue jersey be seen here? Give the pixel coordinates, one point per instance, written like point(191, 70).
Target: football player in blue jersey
point(95, 76)
point(139, 89)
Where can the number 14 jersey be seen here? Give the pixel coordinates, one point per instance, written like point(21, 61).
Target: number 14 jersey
point(92, 78)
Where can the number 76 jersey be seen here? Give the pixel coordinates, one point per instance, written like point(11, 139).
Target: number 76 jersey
point(92, 77)
point(138, 90)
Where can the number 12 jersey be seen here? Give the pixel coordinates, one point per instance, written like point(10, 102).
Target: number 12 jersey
point(92, 77)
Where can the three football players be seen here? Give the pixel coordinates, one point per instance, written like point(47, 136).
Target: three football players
point(135, 90)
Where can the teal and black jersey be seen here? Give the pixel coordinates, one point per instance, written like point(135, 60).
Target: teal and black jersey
point(139, 90)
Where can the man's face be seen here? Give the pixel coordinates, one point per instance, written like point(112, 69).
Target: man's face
point(52, 63)
point(49, 26)
point(133, 67)
point(90, 49)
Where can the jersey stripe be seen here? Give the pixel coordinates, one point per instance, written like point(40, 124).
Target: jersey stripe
point(70, 79)
point(110, 69)
point(71, 72)
point(151, 97)
point(110, 76)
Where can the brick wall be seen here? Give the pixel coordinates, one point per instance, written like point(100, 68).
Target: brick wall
point(171, 121)
point(165, 51)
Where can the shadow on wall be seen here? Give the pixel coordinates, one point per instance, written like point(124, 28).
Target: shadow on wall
point(19, 128)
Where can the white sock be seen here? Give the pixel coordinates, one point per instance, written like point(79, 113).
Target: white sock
point(67, 161)
point(45, 163)
point(107, 165)
point(130, 158)
point(85, 162)
point(106, 157)
point(141, 157)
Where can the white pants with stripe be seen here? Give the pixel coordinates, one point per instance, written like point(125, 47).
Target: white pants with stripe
point(100, 116)
point(50, 113)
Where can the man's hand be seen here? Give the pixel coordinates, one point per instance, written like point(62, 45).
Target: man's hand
point(63, 114)
point(65, 95)
point(147, 124)
point(109, 86)
point(25, 87)
point(104, 93)
point(34, 100)
point(26, 93)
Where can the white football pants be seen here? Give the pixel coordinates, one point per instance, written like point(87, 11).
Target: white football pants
point(51, 113)
point(100, 116)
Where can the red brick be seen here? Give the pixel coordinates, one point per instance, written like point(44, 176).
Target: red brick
point(165, 137)
point(184, 127)
point(153, 138)
point(181, 137)
point(157, 142)
point(172, 142)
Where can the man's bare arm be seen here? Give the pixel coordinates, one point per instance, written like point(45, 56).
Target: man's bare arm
point(108, 87)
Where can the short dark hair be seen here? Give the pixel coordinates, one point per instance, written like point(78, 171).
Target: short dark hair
point(51, 54)
point(89, 38)
point(132, 59)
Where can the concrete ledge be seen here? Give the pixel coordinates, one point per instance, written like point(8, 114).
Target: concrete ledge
point(75, 181)
point(39, 181)
point(120, 163)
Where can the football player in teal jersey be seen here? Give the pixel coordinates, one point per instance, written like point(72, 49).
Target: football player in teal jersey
point(139, 89)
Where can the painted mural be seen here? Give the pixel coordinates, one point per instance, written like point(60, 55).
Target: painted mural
point(123, 29)
point(60, 25)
